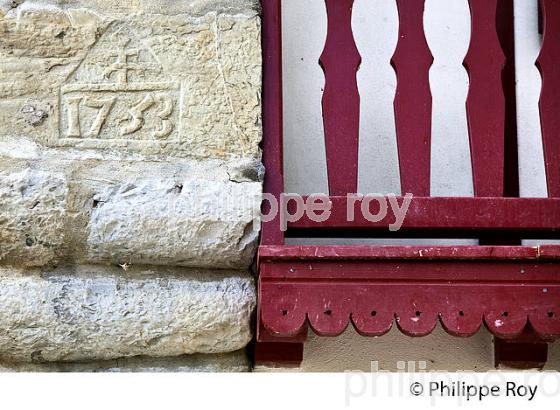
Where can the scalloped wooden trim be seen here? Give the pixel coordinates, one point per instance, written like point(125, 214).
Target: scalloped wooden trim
point(372, 309)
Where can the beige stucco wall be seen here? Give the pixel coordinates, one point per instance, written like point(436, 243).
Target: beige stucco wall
point(396, 352)
point(437, 351)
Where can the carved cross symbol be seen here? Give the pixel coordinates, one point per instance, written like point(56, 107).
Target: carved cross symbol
point(122, 66)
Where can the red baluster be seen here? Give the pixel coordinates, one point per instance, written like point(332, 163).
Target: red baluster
point(413, 99)
point(341, 101)
point(484, 62)
point(549, 104)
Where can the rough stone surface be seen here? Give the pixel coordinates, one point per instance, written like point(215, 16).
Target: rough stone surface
point(123, 7)
point(130, 182)
point(186, 214)
point(224, 362)
point(95, 313)
point(106, 79)
point(32, 211)
point(142, 124)
point(191, 223)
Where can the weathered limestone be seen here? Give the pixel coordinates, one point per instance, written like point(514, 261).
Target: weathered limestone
point(224, 362)
point(129, 135)
point(32, 210)
point(120, 7)
point(96, 313)
point(187, 214)
point(153, 84)
point(188, 223)
point(97, 94)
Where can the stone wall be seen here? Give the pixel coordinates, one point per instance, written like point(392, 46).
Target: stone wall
point(130, 182)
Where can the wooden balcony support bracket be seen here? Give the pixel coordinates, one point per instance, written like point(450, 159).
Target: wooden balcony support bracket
point(526, 351)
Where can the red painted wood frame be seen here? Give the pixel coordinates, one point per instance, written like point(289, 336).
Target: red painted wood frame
point(513, 290)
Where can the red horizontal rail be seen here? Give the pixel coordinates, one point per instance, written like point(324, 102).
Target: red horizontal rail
point(368, 252)
point(472, 213)
point(412, 271)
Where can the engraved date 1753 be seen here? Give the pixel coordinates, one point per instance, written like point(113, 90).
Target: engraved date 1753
point(153, 108)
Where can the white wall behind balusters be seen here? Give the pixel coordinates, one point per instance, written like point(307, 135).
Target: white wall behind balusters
point(304, 25)
point(532, 182)
point(375, 25)
point(447, 28)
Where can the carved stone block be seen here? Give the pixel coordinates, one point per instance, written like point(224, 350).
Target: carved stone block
point(119, 82)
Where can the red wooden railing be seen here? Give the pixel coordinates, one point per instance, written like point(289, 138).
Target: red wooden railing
point(513, 290)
